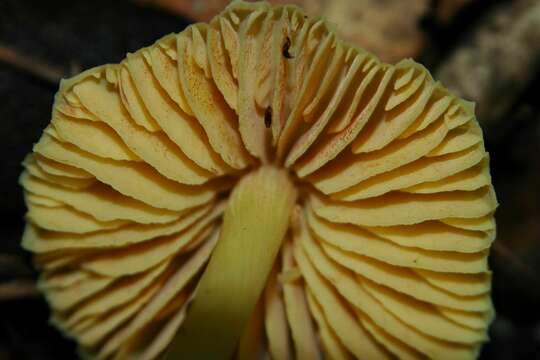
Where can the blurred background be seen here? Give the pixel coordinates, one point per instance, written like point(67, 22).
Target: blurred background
point(484, 50)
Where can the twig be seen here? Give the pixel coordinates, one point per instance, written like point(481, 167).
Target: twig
point(510, 257)
point(18, 289)
point(13, 265)
point(32, 66)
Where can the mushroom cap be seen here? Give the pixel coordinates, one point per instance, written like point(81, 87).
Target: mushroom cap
point(387, 250)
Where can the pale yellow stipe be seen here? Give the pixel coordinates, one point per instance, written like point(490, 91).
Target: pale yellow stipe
point(254, 224)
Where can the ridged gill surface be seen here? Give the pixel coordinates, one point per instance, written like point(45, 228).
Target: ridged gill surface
point(387, 252)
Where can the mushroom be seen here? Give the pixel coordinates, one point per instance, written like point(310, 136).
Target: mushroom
point(257, 186)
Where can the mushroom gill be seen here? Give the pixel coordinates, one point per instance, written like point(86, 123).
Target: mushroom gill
point(357, 198)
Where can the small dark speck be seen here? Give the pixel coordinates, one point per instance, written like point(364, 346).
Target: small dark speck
point(268, 117)
point(286, 47)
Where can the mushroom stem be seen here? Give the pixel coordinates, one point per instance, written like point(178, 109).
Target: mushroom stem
point(255, 222)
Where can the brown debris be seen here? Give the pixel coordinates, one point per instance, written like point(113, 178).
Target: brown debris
point(268, 117)
point(286, 47)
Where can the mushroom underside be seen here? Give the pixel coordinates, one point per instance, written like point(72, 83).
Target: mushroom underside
point(384, 253)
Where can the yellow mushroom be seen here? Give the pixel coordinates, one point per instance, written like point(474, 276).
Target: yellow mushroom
point(257, 186)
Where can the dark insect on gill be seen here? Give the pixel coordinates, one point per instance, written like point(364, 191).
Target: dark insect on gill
point(268, 117)
point(285, 50)
point(188, 306)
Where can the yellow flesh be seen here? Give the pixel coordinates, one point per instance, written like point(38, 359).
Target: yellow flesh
point(170, 209)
